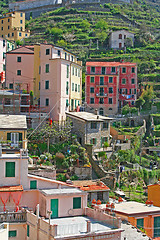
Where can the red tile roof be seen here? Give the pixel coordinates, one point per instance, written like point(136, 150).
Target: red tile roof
point(108, 64)
point(89, 185)
point(11, 188)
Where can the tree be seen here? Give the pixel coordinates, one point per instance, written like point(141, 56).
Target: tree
point(140, 102)
point(61, 43)
point(128, 42)
point(85, 25)
point(101, 25)
point(69, 37)
point(56, 33)
point(125, 109)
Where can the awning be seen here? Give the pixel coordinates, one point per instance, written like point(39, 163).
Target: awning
point(11, 188)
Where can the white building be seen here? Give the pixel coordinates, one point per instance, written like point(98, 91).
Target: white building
point(117, 39)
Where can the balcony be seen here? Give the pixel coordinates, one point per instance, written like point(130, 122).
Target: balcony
point(10, 146)
point(101, 73)
point(12, 217)
point(101, 94)
point(101, 85)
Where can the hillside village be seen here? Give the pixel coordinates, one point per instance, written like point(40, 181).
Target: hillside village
point(79, 120)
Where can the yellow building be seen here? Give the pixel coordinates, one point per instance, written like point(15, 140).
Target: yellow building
point(13, 132)
point(13, 26)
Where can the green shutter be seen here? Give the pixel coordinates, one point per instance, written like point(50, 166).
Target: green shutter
point(10, 169)
point(13, 233)
point(76, 202)
point(91, 141)
point(27, 230)
point(20, 136)
point(33, 184)
point(140, 223)
point(8, 136)
point(156, 227)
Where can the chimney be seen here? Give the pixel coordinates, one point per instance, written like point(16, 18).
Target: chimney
point(88, 226)
point(96, 111)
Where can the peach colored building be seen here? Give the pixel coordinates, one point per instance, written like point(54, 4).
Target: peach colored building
point(20, 69)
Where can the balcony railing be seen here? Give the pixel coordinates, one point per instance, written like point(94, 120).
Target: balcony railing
point(101, 73)
point(11, 217)
point(101, 94)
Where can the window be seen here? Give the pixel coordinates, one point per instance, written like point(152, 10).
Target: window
point(12, 233)
point(26, 34)
point(130, 91)
point(27, 230)
point(47, 101)
point(101, 100)
point(132, 103)
point(39, 69)
point(103, 70)
point(124, 36)
point(4, 67)
point(75, 87)
point(65, 55)
point(12, 34)
point(133, 70)
point(91, 100)
point(10, 169)
point(8, 35)
point(21, 21)
point(4, 43)
point(11, 86)
point(72, 70)
point(76, 202)
point(110, 100)
point(101, 111)
point(76, 71)
point(123, 70)
point(110, 79)
point(18, 59)
point(4, 55)
point(101, 80)
point(72, 58)
point(75, 103)
point(8, 27)
point(47, 68)
point(120, 36)
point(123, 81)
point(33, 184)
point(72, 86)
point(67, 88)
point(19, 72)
point(113, 69)
point(126, 91)
point(39, 85)
point(134, 91)
point(2, 28)
point(67, 71)
point(92, 90)
point(110, 90)
point(59, 52)
point(93, 125)
point(78, 88)
point(8, 20)
point(140, 223)
point(105, 125)
point(47, 84)
point(47, 51)
point(101, 91)
point(21, 14)
point(120, 45)
point(2, 22)
point(132, 81)
point(92, 69)
point(93, 141)
point(92, 79)
point(67, 103)
point(20, 34)
point(156, 227)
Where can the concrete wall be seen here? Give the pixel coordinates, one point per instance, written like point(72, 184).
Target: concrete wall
point(83, 172)
point(4, 231)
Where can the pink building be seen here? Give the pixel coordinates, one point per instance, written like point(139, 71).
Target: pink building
point(110, 85)
point(20, 69)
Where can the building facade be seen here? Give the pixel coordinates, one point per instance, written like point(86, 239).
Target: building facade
point(90, 128)
point(110, 85)
point(118, 39)
point(13, 26)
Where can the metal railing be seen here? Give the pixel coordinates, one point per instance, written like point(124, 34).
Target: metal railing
point(13, 217)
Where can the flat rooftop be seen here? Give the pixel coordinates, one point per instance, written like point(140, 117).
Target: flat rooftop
point(86, 116)
point(62, 191)
point(78, 225)
point(133, 208)
point(14, 122)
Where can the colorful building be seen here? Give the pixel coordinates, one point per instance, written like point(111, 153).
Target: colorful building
point(20, 69)
point(110, 85)
point(60, 80)
point(5, 46)
point(154, 194)
point(13, 130)
point(145, 217)
point(13, 26)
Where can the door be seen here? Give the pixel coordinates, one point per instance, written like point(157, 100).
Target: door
point(54, 208)
point(14, 139)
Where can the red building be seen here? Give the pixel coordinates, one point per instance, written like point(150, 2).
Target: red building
point(110, 85)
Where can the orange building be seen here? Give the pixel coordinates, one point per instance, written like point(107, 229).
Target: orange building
point(146, 217)
point(154, 194)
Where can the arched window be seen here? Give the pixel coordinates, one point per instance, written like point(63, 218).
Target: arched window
point(120, 36)
point(101, 111)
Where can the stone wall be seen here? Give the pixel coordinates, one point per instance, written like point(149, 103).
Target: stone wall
point(83, 173)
